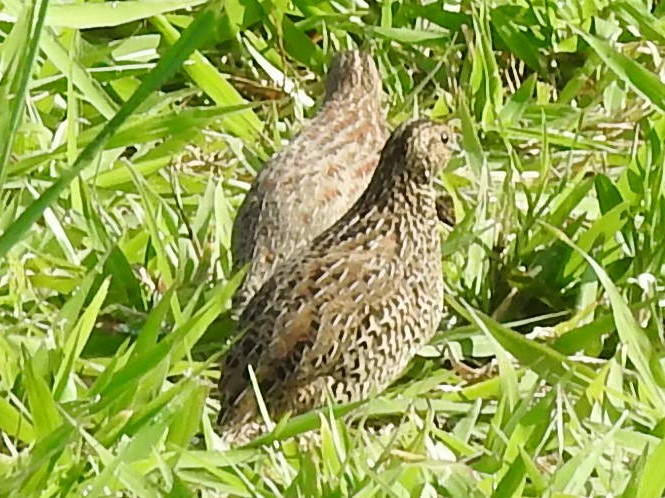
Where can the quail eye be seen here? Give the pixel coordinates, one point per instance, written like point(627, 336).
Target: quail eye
point(445, 138)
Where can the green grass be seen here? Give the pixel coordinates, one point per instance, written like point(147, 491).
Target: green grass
point(130, 132)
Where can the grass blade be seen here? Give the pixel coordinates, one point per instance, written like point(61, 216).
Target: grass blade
point(192, 37)
point(17, 90)
point(643, 81)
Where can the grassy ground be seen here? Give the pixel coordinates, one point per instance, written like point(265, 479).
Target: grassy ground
point(130, 131)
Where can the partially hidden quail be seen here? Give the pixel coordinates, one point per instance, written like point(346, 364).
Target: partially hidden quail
point(316, 178)
point(341, 318)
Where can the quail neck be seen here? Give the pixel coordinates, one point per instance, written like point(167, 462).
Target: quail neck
point(313, 181)
point(341, 318)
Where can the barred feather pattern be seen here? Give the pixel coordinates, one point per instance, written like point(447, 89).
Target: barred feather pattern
point(342, 317)
point(314, 180)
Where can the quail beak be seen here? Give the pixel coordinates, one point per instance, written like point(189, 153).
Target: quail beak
point(455, 146)
point(455, 150)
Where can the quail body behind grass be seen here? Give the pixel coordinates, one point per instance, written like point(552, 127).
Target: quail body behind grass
point(344, 316)
point(312, 182)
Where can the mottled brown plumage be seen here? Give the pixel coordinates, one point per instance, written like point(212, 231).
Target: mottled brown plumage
point(343, 316)
point(445, 209)
point(312, 182)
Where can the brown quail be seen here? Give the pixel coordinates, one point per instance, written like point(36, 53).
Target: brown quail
point(345, 314)
point(316, 178)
